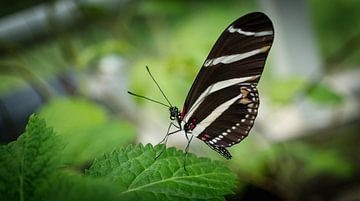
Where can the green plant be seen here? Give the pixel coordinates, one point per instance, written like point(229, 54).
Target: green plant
point(28, 162)
point(85, 128)
point(32, 169)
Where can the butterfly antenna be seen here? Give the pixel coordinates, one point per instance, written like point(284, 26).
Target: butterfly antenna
point(152, 77)
point(152, 100)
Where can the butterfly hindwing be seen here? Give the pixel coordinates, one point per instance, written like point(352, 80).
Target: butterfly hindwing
point(234, 124)
point(221, 150)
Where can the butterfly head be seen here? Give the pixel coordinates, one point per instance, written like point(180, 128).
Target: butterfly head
point(174, 113)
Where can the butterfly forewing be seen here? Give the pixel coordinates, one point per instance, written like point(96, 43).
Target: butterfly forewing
point(223, 100)
point(239, 52)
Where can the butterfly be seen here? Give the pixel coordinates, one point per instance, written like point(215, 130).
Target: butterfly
point(223, 101)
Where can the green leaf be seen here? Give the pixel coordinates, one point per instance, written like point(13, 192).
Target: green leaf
point(283, 91)
point(319, 161)
point(29, 161)
point(254, 167)
point(104, 138)
point(73, 187)
point(86, 129)
point(324, 95)
point(69, 116)
point(138, 176)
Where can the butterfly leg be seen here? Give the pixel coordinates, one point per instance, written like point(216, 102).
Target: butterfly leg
point(187, 148)
point(165, 139)
point(169, 133)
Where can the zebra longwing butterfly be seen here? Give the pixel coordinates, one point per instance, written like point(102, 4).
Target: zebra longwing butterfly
point(223, 101)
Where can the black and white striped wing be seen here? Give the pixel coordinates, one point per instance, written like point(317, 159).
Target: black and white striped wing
point(223, 100)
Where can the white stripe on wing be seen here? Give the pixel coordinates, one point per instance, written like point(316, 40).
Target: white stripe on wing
point(231, 29)
point(201, 126)
point(216, 87)
point(235, 57)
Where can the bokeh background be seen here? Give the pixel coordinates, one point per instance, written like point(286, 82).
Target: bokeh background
point(72, 62)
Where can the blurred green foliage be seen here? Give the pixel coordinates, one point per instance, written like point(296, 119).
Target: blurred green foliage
point(65, 186)
point(324, 95)
point(316, 161)
point(337, 25)
point(288, 165)
point(86, 128)
point(284, 91)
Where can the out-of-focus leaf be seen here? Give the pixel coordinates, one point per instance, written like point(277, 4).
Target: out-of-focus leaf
point(9, 84)
point(105, 138)
point(345, 14)
point(164, 8)
point(251, 158)
point(73, 187)
point(316, 161)
point(283, 91)
point(138, 176)
point(68, 116)
point(85, 129)
point(324, 95)
point(29, 161)
point(99, 50)
point(292, 163)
